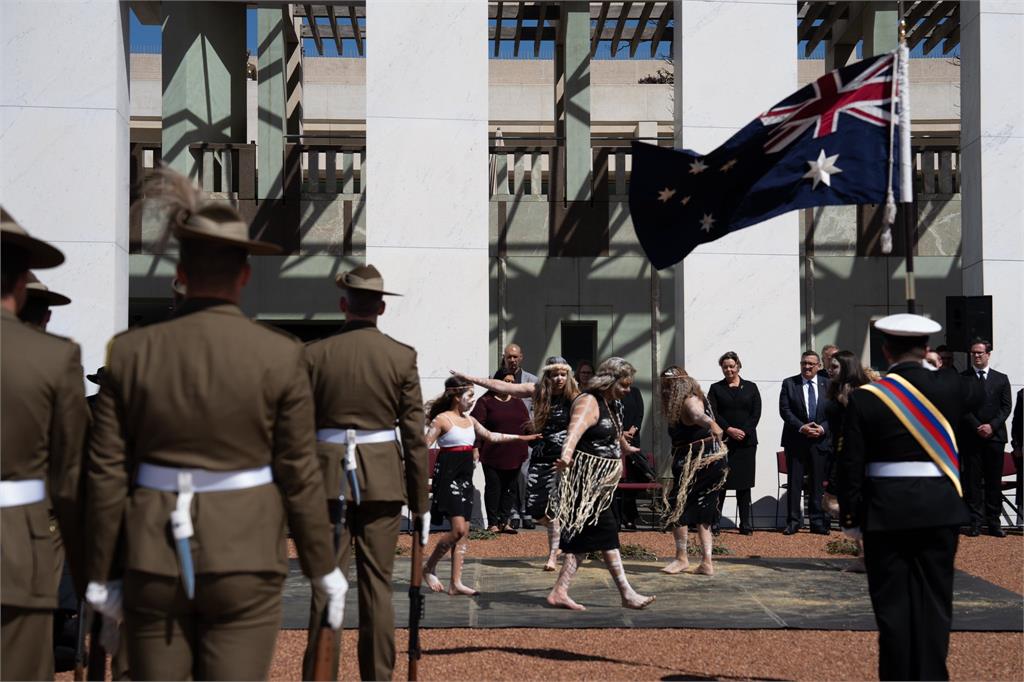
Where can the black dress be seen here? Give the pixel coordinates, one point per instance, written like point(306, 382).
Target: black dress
point(702, 499)
point(542, 477)
point(601, 440)
point(738, 407)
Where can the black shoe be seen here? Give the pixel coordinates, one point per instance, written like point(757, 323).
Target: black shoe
point(973, 532)
point(716, 530)
point(528, 524)
point(996, 532)
point(746, 531)
point(514, 523)
point(819, 530)
point(791, 529)
point(628, 525)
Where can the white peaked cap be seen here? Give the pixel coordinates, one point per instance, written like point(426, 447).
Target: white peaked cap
point(906, 324)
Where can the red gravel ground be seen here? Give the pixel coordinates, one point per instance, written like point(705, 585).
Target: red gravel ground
point(645, 654)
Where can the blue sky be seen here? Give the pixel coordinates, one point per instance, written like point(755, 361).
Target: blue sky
point(147, 39)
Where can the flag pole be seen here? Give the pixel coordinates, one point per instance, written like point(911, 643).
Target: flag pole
point(906, 160)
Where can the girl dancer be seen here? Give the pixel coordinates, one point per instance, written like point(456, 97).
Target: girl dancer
point(698, 465)
point(591, 464)
point(455, 432)
point(552, 400)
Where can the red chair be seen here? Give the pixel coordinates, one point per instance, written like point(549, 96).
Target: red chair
point(1010, 469)
point(648, 487)
point(780, 476)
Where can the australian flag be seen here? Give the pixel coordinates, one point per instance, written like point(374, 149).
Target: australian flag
point(826, 144)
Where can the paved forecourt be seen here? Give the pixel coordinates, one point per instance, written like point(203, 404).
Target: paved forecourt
point(745, 593)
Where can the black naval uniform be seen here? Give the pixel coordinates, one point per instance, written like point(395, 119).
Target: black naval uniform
point(910, 525)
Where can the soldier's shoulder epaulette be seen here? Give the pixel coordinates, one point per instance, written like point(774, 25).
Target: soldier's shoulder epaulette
point(277, 330)
point(396, 341)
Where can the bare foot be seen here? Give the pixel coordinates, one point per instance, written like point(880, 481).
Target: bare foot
point(676, 566)
point(638, 602)
point(705, 568)
point(458, 588)
point(563, 601)
point(433, 583)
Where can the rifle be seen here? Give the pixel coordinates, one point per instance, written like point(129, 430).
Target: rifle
point(416, 601)
point(325, 658)
point(80, 643)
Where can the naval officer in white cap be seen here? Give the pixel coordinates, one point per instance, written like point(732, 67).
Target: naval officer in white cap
point(899, 486)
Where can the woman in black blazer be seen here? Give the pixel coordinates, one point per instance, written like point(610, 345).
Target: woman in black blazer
point(737, 407)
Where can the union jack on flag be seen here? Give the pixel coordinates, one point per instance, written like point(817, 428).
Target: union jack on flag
point(838, 140)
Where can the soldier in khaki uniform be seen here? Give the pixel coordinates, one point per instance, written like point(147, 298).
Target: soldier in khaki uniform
point(44, 422)
point(38, 301)
point(203, 448)
point(366, 384)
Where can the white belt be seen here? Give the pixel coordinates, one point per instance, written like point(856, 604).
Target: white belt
point(903, 470)
point(203, 481)
point(18, 493)
point(340, 436)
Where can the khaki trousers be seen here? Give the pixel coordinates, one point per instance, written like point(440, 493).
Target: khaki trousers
point(374, 528)
point(26, 649)
point(226, 633)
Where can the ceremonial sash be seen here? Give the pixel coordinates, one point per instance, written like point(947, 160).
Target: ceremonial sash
point(924, 422)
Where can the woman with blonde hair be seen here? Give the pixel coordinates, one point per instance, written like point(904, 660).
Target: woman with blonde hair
point(552, 400)
point(698, 466)
point(455, 431)
point(591, 466)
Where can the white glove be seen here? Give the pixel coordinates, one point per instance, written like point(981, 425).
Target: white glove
point(106, 598)
point(853, 533)
point(334, 586)
point(425, 530)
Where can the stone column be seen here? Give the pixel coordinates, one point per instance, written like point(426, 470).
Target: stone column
point(735, 59)
point(279, 76)
point(991, 153)
point(427, 194)
point(204, 75)
point(64, 148)
point(572, 98)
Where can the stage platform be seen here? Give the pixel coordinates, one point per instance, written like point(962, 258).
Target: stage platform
point(744, 593)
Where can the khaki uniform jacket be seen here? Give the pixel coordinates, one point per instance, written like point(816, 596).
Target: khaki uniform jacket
point(364, 379)
point(43, 428)
point(209, 389)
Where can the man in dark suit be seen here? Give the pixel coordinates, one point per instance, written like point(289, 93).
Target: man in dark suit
point(1017, 442)
point(982, 440)
point(806, 440)
point(904, 504)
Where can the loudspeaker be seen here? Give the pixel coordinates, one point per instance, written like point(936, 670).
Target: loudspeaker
point(967, 318)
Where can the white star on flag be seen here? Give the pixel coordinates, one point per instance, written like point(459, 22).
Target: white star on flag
point(706, 222)
point(665, 194)
point(727, 166)
point(823, 169)
point(685, 200)
point(697, 166)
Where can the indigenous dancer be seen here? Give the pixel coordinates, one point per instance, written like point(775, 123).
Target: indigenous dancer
point(552, 401)
point(591, 465)
point(698, 466)
point(455, 432)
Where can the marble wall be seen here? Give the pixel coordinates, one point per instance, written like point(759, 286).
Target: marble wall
point(741, 292)
point(426, 126)
point(992, 149)
point(64, 119)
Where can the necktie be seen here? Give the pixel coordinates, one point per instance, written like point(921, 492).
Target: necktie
point(812, 401)
point(981, 374)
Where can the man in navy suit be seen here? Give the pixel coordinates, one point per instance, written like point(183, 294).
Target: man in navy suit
point(982, 441)
point(806, 440)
